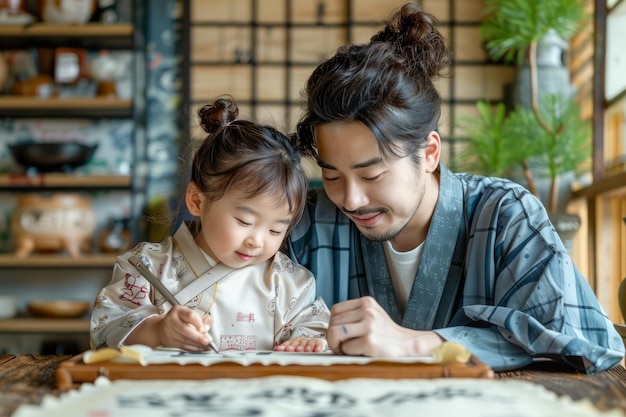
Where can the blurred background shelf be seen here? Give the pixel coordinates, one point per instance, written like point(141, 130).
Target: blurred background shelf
point(77, 109)
point(97, 107)
point(118, 36)
point(60, 180)
point(57, 261)
point(43, 325)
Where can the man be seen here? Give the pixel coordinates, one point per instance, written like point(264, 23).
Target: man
point(411, 254)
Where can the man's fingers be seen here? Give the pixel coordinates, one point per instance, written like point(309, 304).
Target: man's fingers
point(350, 305)
point(339, 334)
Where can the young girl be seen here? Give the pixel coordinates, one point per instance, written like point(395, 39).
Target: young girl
point(247, 190)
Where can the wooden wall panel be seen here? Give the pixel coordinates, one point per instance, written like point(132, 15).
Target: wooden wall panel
point(269, 11)
point(282, 73)
point(313, 44)
point(373, 10)
point(438, 8)
point(583, 55)
point(272, 115)
point(611, 246)
point(444, 121)
point(270, 85)
point(585, 99)
point(209, 81)
point(311, 12)
point(362, 33)
point(468, 10)
point(446, 152)
point(271, 43)
point(476, 82)
point(580, 245)
point(443, 86)
point(582, 75)
point(465, 110)
point(579, 59)
point(615, 138)
point(298, 77)
point(219, 43)
point(446, 32)
point(221, 11)
point(467, 44)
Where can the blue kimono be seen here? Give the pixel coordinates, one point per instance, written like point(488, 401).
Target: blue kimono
point(494, 276)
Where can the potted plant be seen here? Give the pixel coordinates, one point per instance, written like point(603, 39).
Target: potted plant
point(502, 144)
point(544, 138)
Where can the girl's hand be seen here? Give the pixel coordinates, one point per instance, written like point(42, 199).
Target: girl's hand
point(302, 344)
point(183, 328)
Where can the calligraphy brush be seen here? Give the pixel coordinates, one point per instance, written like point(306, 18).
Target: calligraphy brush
point(156, 283)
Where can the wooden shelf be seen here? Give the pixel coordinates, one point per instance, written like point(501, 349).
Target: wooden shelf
point(90, 35)
point(58, 261)
point(88, 29)
point(43, 325)
point(96, 107)
point(62, 181)
point(611, 185)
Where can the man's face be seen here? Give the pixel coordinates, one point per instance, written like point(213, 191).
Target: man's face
point(387, 199)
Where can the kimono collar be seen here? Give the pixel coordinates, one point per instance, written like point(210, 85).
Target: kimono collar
point(436, 284)
point(207, 275)
point(439, 273)
point(194, 257)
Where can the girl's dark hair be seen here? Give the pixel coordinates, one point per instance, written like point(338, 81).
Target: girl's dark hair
point(387, 85)
point(253, 158)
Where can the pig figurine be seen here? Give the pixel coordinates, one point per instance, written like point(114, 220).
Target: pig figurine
point(61, 221)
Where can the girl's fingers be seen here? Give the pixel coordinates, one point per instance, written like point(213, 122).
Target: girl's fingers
point(189, 316)
point(301, 344)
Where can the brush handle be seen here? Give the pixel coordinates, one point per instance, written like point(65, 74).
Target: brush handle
point(156, 283)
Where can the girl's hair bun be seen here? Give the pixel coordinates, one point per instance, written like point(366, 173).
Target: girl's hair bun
point(217, 115)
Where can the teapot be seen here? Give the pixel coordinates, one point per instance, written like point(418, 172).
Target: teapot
point(53, 223)
point(106, 69)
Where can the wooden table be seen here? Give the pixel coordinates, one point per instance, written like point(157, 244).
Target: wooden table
point(26, 379)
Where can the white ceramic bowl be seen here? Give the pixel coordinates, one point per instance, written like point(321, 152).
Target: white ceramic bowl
point(58, 308)
point(8, 306)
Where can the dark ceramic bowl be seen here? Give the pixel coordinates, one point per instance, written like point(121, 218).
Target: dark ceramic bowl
point(52, 156)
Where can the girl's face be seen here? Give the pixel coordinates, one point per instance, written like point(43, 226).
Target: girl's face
point(387, 199)
point(238, 230)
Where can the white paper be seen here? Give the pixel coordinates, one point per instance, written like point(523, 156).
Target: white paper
point(310, 397)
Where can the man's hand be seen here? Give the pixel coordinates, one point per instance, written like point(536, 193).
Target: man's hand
point(362, 327)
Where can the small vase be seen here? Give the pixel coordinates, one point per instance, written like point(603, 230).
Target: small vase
point(116, 238)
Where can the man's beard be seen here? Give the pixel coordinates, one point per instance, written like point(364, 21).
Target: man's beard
point(393, 231)
point(384, 235)
point(370, 233)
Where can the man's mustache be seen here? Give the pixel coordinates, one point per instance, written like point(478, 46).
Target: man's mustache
point(364, 211)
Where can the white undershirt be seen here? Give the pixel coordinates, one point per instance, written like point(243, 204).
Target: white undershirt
point(212, 262)
point(402, 267)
